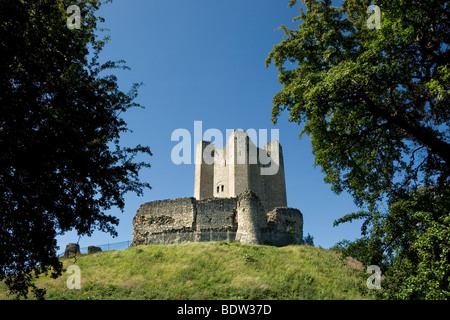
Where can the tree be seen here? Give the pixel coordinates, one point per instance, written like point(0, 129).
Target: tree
point(417, 230)
point(375, 105)
point(308, 240)
point(61, 165)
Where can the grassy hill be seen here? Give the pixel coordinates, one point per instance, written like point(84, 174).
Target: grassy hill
point(215, 270)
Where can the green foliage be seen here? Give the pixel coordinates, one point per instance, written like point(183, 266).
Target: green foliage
point(375, 105)
point(414, 248)
point(366, 250)
point(308, 240)
point(61, 165)
point(417, 230)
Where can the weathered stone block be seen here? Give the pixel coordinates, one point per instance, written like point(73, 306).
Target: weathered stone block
point(94, 249)
point(71, 249)
point(217, 214)
point(284, 227)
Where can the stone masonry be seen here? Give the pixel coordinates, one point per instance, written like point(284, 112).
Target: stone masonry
point(233, 201)
point(239, 166)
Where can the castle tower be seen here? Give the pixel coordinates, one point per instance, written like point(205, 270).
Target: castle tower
point(239, 166)
point(240, 194)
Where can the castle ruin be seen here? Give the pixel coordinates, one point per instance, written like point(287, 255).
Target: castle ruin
point(239, 194)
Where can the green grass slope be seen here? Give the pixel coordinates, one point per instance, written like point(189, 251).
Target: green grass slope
point(215, 270)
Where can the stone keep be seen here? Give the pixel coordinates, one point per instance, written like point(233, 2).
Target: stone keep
point(240, 166)
point(239, 194)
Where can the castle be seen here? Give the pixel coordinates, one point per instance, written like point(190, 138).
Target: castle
point(239, 194)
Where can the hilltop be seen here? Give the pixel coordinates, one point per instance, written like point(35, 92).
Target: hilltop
point(210, 270)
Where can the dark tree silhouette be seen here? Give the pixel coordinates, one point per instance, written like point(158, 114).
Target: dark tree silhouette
point(61, 165)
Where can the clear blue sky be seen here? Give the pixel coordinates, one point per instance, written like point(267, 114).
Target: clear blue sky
point(204, 60)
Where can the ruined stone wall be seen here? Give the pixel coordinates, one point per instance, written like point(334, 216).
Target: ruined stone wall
point(165, 216)
point(217, 214)
point(189, 220)
point(284, 227)
point(185, 220)
point(280, 227)
point(251, 218)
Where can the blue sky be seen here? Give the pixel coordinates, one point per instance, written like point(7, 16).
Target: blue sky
point(204, 60)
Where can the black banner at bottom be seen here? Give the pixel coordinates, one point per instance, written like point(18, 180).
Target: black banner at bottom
point(224, 309)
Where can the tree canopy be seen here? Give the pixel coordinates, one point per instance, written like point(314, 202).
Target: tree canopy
point(61, 165)
point(375, 103)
